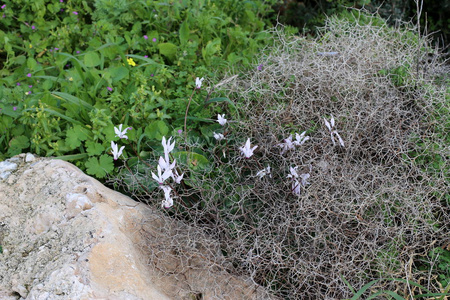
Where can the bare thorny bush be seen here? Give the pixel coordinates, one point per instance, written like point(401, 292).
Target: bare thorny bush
point(372, 209)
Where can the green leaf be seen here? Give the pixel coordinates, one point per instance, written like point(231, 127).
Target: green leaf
point(73, 100)
point(117, 73)
point(193, 160)
point(99, 167)
point(91, 59)
point(156, 130)
point(169, 50)
point(18, 143)
point(75, 135)
point(31, 63)
point(184, 33)
point(94, 148)
point(363, 290)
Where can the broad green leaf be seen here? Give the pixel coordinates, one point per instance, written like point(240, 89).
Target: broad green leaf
point(91, 59)
point(117, 73)
point(31, 63)
point(18, 143)
point(75, 135)
point(99, 167)
point(193, 160)
point(156, 130)
point(169, 50)
point(184, 33)
point(94, 148)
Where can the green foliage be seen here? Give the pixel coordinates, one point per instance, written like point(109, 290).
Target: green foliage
point(71, 71)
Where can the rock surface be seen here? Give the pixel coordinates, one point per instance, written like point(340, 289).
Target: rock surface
point(63, 235)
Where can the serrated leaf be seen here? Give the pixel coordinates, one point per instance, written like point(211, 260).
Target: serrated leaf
point(94, 148)
point(75, 135)
point(99, 167)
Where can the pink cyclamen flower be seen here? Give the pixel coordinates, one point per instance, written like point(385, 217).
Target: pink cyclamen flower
point(30, 86)
point(109, 89)
point(180, 131)
point(14, 108)
point(154, 39)
point(146, 56)
point(151, 75)
point(75, 13)
point(260, 67)
point(145, 37)
point(18, 84)
point(33, 27)
point(61, 1)
point(3, 6)
point(29, 75)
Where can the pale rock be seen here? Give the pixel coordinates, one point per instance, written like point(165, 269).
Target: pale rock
point(29, 157)
point(66, 236)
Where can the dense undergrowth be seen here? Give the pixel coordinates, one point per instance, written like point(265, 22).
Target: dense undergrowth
point(347, 187)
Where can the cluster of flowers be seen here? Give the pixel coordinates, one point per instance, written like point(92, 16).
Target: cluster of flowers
point(298, 180)
point(120, 134)
point(165, 171)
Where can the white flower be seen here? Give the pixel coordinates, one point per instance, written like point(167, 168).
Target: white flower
point(177, 177)
point(121, 134)
point(218, 136)
point(300, 138)
point(165, 164)
point(296, 184)
point(162, 177)
point(294, 173)
point(264, 172)
point(287, 145)
point(168, 147)
point(333, 131)
point(246, 150)
point(198, 82)
point(116, 153)
point(304, 178)
point(221, 119)
point(168, 201)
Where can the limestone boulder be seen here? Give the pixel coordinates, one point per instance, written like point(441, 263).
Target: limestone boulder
point(63, 235)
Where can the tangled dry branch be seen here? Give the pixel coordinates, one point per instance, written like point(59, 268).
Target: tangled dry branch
point(373, 209)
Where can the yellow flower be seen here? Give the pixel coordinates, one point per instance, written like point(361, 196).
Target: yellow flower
point(131, 62)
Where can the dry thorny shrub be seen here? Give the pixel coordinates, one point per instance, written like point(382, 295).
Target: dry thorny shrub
point(371, 210)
